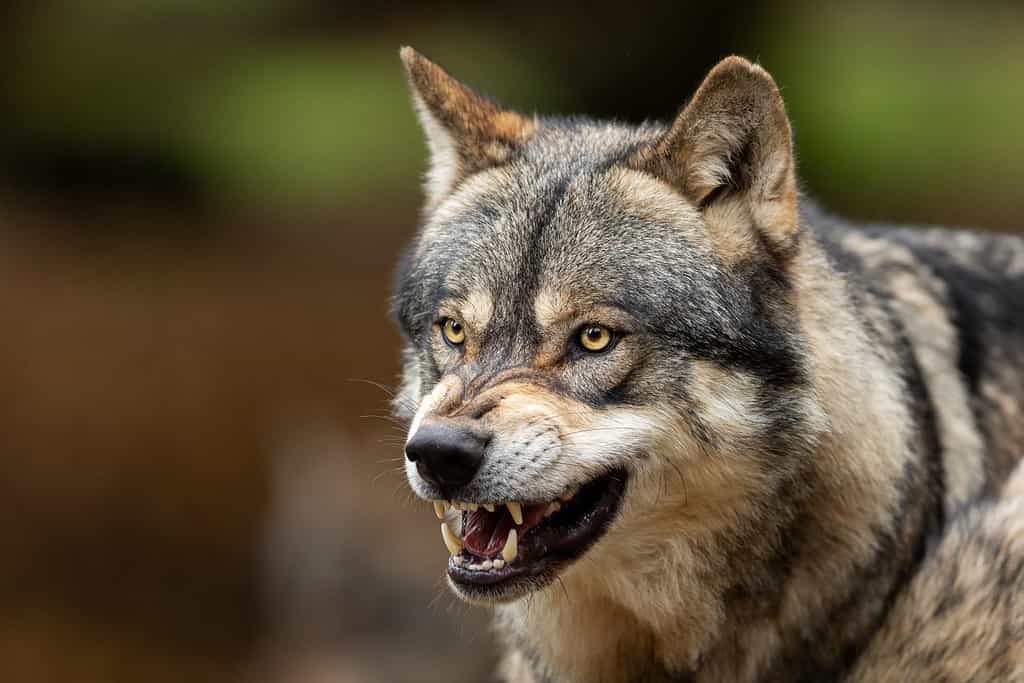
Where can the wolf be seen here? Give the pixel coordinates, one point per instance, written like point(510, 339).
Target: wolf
point(680, 424)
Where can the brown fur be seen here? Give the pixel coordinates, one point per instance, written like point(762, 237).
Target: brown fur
point(962, 617)
point(484, 134)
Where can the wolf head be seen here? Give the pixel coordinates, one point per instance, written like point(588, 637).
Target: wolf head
point(601, 339)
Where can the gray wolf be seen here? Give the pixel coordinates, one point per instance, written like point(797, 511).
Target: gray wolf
point(679, 424)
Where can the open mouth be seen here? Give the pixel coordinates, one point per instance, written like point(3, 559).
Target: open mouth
point(510, 547)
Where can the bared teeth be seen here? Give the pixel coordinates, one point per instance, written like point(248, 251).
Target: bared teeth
point(453, 542)
point(511, 548)
point(471, 507)
point(498, 563)
point(516, 511)
point(489, 507)
point(457, 559)
point(440, 507)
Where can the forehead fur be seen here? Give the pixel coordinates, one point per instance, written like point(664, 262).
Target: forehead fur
point(564, 213)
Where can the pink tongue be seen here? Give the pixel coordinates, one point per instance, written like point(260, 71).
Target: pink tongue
point(486, 532)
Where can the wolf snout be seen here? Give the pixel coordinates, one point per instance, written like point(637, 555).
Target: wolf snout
point(446, 454)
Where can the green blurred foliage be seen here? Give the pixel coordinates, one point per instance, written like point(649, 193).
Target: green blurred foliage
point(306, 124)
point(905, 108)
point(898, 110)
point(257, 119)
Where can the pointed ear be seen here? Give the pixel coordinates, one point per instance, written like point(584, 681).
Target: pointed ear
point(732, 143)
point(466, 132)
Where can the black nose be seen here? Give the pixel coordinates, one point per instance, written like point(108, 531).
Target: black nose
point(446, 455)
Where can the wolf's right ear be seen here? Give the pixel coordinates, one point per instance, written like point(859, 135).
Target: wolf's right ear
point(732, 145)
point(466, 132)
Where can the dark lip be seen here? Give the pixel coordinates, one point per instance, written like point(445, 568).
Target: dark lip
point(549, 548)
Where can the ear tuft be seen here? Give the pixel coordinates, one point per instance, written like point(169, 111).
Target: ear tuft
point(732, 139)
point(466, 132)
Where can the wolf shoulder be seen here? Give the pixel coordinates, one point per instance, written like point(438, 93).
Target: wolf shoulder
point(955, 300)
point(962, 616)
point(939, 282)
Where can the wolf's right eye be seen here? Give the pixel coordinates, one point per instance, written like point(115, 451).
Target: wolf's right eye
point(453, 331)
point(595, 338)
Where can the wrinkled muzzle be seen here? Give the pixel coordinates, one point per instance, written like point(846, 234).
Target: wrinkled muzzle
point(523, 479)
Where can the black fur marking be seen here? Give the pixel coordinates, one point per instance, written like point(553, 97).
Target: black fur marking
point(433, 370)
point(964, 288)
point(929, 444)
point(536, 250)
point(987, 310)
point(621, 393)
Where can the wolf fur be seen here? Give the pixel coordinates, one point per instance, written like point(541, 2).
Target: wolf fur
point(817, 419)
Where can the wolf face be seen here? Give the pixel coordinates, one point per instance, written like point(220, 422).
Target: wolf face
point(601, 339)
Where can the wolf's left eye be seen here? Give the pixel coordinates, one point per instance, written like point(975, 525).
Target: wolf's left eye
point(453, 331)
point(595, 338)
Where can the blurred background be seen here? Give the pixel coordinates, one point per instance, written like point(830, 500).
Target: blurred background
point(201, 202)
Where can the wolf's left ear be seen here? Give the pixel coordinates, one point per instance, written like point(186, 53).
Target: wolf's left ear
point(466, 132)
point(732, 143)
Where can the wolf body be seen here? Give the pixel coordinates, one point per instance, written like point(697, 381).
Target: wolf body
point(805, 427)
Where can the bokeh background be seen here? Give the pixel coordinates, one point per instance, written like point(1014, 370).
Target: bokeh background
point(200, 205)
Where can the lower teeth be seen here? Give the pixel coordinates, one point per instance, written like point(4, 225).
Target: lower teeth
point(486, 565)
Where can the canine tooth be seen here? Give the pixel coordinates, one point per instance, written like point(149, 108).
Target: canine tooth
point(499, 564)
point(453, 542)
point(517, 512)
point(487, 564)
point(440, 507)
point(489, 507)
point(511, 548)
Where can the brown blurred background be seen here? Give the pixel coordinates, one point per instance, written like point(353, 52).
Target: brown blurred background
point(200, 205)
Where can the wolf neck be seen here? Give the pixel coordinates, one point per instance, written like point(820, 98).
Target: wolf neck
point(790, 586)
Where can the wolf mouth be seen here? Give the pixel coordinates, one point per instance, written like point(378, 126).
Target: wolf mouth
point(508, 548)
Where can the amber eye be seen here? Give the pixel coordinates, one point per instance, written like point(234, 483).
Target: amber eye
point(454, 332)
point(595, 338)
